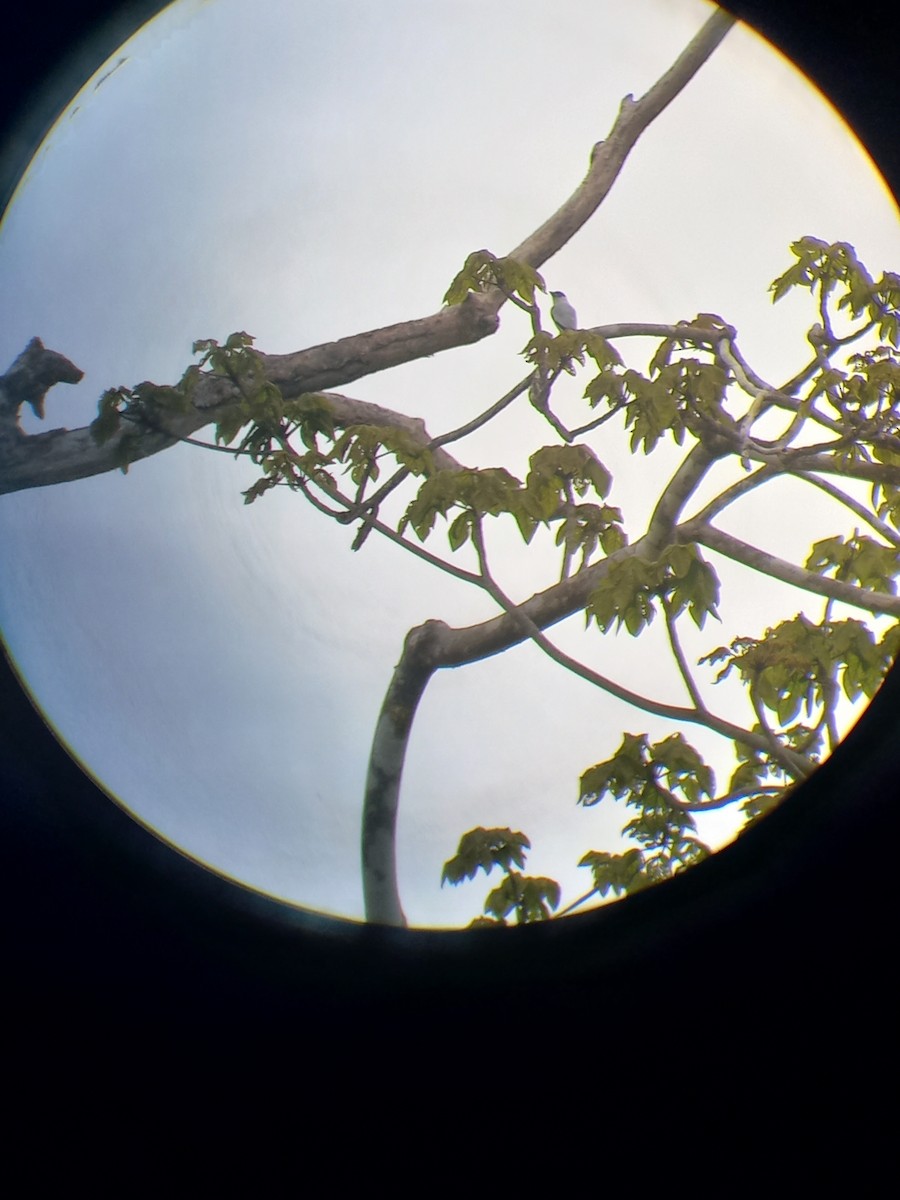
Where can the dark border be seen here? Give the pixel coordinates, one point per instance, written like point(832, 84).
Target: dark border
point(786, 938)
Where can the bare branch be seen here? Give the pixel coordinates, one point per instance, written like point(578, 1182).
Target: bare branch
point(728, 798)
point(609, 156)
point(797, 764)
point(564, 912)
point(777, 568)
point(864, 514)
point(379, 859)
point(735, 491)
point(455, 435)
point(353, 511)
point(63, 456)
point(680, 659)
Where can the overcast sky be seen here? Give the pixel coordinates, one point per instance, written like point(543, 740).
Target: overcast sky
point(305, 171)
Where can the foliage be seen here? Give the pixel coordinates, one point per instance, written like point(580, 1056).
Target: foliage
point(681, 579)
point(795, 672)
point(838, 418)
point(831, 429)
point(528, 897)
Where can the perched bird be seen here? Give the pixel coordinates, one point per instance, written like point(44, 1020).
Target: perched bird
point(562, 313)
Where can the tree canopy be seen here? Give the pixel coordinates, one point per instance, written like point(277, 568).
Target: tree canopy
point(687, 384)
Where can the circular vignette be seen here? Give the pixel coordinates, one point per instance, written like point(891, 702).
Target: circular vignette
point(103, 908)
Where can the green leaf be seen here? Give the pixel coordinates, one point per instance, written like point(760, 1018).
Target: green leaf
point(484, 849)
point(487, 492)
point(531, 898)
point(472, 278)
point(625, 595)
point(618, 873)
point(858, 559)
point(691, 583)
point(460, 530)
point(229, 425)
point(518, 278)
point(106, 424)
point(603, 352)
point(126, 451)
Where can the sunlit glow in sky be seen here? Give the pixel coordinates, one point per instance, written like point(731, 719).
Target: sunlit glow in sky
point(306, 171)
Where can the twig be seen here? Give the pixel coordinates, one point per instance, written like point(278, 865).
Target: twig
point(860, 510)
point(680, 659)
point(777, 568)
point(656, 708)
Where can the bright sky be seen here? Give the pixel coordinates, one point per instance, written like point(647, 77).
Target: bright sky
point(306, 171)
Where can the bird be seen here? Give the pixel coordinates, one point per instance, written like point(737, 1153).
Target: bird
point(562, 313)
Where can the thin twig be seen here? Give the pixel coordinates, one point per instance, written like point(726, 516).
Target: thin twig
point(860, 510)
point(800, 767)
point(462, 431)
point(680, 658)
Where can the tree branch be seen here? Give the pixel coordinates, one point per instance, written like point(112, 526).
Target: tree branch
point(608, 157)
point(379, 854)
point(777, 568)
point(353, 511)
point(436, 645)
point(735, 491)
point(796, 763)
point(864, 514)
point(64, 455)
point(678, 654)
point(28, 380)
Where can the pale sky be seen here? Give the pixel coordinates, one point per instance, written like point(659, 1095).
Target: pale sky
point(307, 171)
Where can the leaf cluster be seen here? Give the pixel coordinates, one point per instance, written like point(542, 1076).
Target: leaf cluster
point(138, 406)
point(558, 352)
point(261, 404)
point(628, 592)
point(834, 271)
point(798, 664)
point(638, 769)
point(616, 873)
point(857, 559)
point(686, 395)
point(661, 781)
point(146, 406)
point(556, 476)
point(759, 778)
point(526, 897)
point(677, 394)
point(483, 270)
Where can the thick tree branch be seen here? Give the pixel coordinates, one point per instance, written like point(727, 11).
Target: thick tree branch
point(661, 530)
point(700, 715)
point(436, 645)
point(64, 455)
point(379, 855)
point(609, 156)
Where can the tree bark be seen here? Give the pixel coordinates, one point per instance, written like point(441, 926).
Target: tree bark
point(63, 455)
